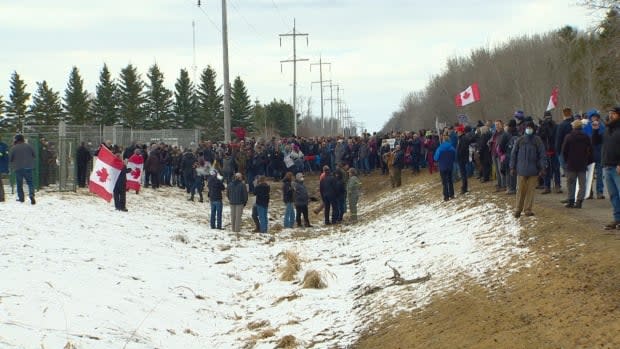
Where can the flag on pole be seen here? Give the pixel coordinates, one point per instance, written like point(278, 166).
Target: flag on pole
point(469, 96)
point(553, 100)
point(135, 165)
point(106, 170)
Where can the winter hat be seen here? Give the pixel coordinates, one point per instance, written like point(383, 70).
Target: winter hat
point(615, 109)
point(576, 124)
point(547, 115)
point(592, 112)
point(299, 176)
point(519, 115)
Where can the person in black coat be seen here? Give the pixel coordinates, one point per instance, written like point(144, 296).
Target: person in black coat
point(120, 187)
point(238, 198)
point(462, 155)
point(578, 154)
point(328, 190)
point(562, 130)
point(215, 187)
point(82, 158)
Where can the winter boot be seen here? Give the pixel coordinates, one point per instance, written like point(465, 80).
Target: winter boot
point(570, 204)
point(200, 200)
point(191, 198)
point(578, 203)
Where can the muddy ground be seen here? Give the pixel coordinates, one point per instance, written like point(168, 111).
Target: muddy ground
point(569, 297)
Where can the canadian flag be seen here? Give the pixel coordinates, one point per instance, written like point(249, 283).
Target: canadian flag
point(469, 96)
point(135, 165)
point(553, 100)
point(105, 173)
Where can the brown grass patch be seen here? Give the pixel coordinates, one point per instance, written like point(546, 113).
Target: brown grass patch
point(287, 298)
point(291, 267)
point(258, 324)
point(270, 332)
point(287, 342)
point(313, 279)
point(181, 238)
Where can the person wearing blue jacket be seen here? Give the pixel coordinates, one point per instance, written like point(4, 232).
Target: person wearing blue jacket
point(595, 129)
point(445, 156)
point(527, 161)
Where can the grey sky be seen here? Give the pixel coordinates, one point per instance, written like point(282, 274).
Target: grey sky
point(379, 50)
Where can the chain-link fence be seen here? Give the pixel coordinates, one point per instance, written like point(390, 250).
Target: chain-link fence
point(56, 147)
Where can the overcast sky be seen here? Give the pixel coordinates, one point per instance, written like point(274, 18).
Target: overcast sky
point(379, 50)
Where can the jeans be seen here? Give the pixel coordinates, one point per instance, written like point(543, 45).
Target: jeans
point(598, 172)
point(289, 215)
point(612, 179)
point(553, 172)
point(216, 215)
point(20, 175)
point(262, 217)
point(448, 183)
point(463, 170)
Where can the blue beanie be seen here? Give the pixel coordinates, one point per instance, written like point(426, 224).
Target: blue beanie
point(519, 115)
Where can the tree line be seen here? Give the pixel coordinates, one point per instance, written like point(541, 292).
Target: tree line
point(520, 75)
point(131, 102)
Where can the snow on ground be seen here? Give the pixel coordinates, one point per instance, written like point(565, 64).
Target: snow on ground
point(72, 269)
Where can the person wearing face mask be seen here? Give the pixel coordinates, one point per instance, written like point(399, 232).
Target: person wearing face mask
point(527, 162)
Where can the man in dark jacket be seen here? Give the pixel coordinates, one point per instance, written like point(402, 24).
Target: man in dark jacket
point(82, 159)
point(216, 187)
point(547, 132)
point(238, 198)
point(327, 188)
point(611, 164)
point(563, 129)
point(22, 158)
point(462, 155)
point(527, 161)
point(261, 190)
point(595, 129)
point(577, 153)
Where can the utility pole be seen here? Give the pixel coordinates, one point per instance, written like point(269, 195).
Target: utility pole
point(331, 107)
point(226, 78)
point(194, 67)
point(294, 61)
point(321, 64)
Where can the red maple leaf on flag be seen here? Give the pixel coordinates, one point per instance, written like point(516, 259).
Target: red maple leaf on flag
point(466, 95)
point(103, 175)
point(135, 173)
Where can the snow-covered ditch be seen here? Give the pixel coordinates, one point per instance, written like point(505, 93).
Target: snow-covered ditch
point(72, 269)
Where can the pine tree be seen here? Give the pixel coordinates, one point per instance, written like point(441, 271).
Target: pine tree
point(131, 98)
point(76, 101)
point(241, 106)
point(210, 115)
point(16, 109)
point(1, 109)
point(105, 105)
point(159, 100)
point(46, 108)
point(280, 114)
point(185, 102)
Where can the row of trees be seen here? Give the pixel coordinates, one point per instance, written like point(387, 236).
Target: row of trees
point(131, 102)
point(521, 75)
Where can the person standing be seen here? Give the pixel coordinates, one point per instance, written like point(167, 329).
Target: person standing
point(301, 200)
point(445, 156)
point(238, 198)
point(216, 187)
point(354, 186)
point(577, 153)
point(287, 197)
point(562, 130)
point(527, 161)
point(611, 164)
point(398, 165)
point(22, 158)
point(261, 190)
point(82, 159)
point(596, 129)
point(462, 154)
point(4, 166)
point(120, 187)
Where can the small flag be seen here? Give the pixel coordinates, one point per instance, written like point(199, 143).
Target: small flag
point(105, 173)
point(553, 100)
point(135, 165)
point(470, 95)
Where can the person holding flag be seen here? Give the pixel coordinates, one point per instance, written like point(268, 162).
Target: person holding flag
point(120, 187)
point(135, 166)
point(106, 170)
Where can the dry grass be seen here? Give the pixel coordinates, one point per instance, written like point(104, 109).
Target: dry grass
point(270, 332)
point(181, 238)
point(287, 342)
point(292, 266)
point(257, 324)
point(287, 298)
point(313, 279)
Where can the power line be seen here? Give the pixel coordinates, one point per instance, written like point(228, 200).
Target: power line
point(294, 61)
point(321, 64)
point(246, 21)
point(280, 13)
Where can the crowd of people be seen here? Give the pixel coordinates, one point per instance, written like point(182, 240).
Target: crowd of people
point(524, 155)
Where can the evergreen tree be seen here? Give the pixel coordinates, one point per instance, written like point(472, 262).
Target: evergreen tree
point(607, 71)
point(241, 114)
point(185, 102)
point(159, 100)
point(280, 114)
point(105, 106)
point(210, 115)
point(260, 117)
point(131, 98)
point(15, 117)
point(46, 108)
point(76, 101)
point(1, 109)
